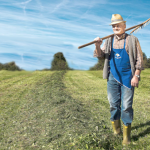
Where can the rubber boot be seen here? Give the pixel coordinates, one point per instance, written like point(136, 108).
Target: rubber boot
point(116, 127)
point(126, 135)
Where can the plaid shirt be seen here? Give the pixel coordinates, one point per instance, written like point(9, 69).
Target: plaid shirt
point(119, 44)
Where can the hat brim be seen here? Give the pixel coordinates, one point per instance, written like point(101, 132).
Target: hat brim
point(116, 22)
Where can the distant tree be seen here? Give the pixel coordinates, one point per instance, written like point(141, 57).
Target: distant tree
point(99, 65)
point(148, 63)
point(144, 56)
point(144, 60)
point(1, 66)
point(11, 66)
point(59, 62)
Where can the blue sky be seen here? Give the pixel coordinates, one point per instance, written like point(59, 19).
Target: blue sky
point(32, 31)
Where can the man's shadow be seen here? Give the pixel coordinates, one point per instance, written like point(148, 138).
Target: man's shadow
point(142, 134)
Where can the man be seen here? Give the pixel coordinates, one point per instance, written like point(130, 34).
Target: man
point(122, 67)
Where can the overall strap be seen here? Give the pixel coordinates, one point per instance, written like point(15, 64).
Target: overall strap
point(125, 42)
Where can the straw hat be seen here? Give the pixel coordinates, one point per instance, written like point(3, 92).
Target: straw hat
point(116, 18)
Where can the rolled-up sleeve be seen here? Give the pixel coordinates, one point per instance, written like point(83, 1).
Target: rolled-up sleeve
point(101, 53)
point(139, 60)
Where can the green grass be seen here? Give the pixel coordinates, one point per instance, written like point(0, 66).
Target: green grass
point(65, 110)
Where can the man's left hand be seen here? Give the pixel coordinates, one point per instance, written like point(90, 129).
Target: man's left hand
point(135, 81)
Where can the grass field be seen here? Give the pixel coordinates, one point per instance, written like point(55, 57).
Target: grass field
point(66, 110)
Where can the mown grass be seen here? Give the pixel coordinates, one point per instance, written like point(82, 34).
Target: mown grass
point(65, 110)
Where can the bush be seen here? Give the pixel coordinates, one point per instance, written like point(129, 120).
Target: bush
point(11, 66)
point(146, 61)
point(99, 65)
point(1, 66)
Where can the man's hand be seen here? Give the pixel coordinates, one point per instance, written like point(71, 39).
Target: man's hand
point(99, 41)
point(135, 81)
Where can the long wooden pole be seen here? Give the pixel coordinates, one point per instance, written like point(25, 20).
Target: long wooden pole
point(113, 34)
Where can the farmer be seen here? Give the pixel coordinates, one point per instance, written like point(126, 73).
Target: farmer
point(122, 68)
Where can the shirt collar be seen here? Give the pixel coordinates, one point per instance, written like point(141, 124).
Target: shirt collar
point(120, 37)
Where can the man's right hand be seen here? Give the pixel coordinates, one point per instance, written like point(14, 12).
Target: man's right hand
point(99, 41)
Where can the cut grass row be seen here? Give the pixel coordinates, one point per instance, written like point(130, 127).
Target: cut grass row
point(16, 102)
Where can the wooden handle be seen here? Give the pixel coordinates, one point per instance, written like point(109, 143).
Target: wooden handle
point(86, 44)
point(94, 41)
point(113, 34)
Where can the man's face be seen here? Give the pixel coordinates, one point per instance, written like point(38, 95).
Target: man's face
point(119, 28)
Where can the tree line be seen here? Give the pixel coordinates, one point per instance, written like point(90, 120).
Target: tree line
point(59, 63)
